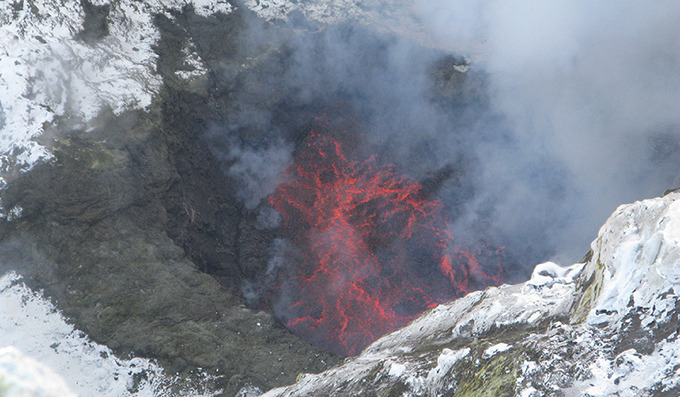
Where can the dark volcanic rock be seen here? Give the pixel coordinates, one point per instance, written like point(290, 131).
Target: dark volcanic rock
point(137, 234)
point(94, 236)
point(95, 25)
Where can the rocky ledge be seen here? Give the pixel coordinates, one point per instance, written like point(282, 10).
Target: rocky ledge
point(607, 326)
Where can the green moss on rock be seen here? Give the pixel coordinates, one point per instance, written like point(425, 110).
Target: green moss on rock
point(588, 288)
point(492, 377)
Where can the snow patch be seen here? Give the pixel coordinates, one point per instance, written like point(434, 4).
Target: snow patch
point(630, 371)
point(445, 361)
point(11, 214)
point(22, 376)
point(395, 16)
point(205, 8)
point(548, 273)
point(249, 391)
point(48, 73)
point(396, 369)
point(31, 324)
point(495, 349)
point(193, 66)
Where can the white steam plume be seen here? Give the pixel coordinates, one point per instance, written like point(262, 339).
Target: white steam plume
point(593, 86)
point(568, 109)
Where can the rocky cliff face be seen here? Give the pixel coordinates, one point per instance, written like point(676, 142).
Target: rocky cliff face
point(608, 326)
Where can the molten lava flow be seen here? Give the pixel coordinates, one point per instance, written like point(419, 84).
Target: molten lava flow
point(374, 251)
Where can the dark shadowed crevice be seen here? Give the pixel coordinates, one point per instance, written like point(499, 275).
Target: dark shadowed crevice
point(95, 24)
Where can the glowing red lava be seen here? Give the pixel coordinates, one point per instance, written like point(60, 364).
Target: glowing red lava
point(375, 252)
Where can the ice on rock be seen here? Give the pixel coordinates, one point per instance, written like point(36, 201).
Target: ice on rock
point(497, 348)
point(639, 250)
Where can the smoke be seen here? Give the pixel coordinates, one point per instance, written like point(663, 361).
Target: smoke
point(281, 252)
point(591, 87)
point(256, 168)
point(527, 122)
point(531, 121)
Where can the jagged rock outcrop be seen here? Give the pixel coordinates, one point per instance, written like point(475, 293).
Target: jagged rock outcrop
point(608, 326)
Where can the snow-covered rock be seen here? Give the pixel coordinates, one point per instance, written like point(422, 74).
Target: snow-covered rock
point(61, 59)
point(608, 326)
point(324, 11)
point(42, 355)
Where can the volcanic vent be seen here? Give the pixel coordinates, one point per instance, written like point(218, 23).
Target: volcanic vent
point(372, 250)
